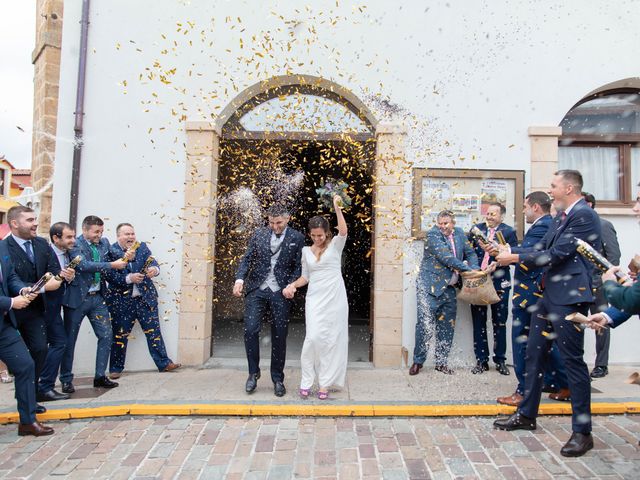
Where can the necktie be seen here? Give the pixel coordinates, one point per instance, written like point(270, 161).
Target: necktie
point(453, 244)
point(95, 256)
point(564, 216)
point(29, 250)
point(278, 235)
point(485, 259)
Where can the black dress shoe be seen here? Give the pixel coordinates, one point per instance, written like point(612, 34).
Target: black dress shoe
point(502, 368)
point(252, 382)
point(104, 382)
point(517, 421)
point(51, 396)
point(578, 445)
point(599, 372)
point(40, 409)
point(68, 388)
point(278, 389)
point(444, 369)
point(415, 369)
point(36, 429)
point(481, 367)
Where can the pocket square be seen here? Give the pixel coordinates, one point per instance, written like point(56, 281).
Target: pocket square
point(292, 244)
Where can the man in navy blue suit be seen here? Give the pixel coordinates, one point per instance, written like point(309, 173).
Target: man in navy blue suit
point(32, 257)
point(526, 293)
point(566, 289)
point(271, 262)
point(63, 239)
point(133, 296)
point(447, 253)
point(13, 351)
point(85, 297)
point(491, 228)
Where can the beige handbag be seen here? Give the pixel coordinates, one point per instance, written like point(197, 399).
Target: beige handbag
point(478, 289)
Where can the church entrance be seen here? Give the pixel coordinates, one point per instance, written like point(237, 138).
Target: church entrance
point(290, 171)
point(284, 138)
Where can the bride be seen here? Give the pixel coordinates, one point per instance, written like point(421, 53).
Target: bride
point(324, 352)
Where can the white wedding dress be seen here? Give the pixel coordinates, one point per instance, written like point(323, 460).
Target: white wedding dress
point(324, 352)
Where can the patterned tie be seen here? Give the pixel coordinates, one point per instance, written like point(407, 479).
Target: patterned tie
point(485, 259)
point(29, 250)
point(453, 244)
point(95, 256)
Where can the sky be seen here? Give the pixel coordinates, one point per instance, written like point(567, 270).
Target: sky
point(17, 40)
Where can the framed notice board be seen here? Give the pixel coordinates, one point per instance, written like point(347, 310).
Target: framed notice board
point(467, 193)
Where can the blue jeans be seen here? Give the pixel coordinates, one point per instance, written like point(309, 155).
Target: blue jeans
point(439, 314)
point(57, 339)
point(96, 310)
point(124, 313)
point(256, 304)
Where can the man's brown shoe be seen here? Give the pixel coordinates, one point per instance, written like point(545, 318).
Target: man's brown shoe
point(512, 400)
point(171, 367)
point(115, 375)
point(415, 369)
point(36, 429)
point(563, 395)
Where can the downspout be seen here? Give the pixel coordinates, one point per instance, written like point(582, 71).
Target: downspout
point(79, 115)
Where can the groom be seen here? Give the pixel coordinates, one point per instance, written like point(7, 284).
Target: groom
point(271, 262)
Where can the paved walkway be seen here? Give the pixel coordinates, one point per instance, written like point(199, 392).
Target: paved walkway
point(344, 448)
point(222, 383)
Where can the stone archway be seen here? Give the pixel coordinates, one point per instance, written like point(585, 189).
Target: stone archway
point(203, 156)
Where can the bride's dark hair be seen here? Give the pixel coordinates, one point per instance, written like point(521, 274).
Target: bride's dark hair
point(320, 222)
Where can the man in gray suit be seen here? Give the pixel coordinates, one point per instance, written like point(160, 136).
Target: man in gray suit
point(447, 252)
point(610, 251)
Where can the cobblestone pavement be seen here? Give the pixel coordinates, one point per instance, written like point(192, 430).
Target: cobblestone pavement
point(349, 448)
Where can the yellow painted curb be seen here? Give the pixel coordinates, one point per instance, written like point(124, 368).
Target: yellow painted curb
point(313, 410)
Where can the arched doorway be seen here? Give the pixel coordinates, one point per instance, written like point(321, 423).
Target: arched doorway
point(335, 135)
point(279, 146)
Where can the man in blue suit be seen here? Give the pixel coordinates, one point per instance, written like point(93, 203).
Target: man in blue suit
point(491, 228)
point(132, 295)
point(32, 257)
point(446, 253)
point(271, 262)
point(85, 297)
point(13, 351)
point(566, 290)
point(63, 239)
point(526, 293)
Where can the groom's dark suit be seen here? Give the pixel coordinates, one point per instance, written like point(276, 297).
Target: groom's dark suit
point(267, 267)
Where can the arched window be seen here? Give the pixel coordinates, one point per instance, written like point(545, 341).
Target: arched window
point(601, 138)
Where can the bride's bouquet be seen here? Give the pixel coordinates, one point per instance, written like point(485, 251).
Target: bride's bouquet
point(330, 189)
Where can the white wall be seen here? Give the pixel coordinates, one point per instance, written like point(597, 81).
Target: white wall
point(468, 83)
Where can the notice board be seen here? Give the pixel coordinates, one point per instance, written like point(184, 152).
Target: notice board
point(467, 193)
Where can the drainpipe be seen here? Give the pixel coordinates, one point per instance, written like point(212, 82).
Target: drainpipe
point(79, 115)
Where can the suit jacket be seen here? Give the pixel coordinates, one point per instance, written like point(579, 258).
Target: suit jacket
point(501, 274)
point(77, 290)
point(119, 289)
point(30, 273)
point(610, 249)
point(567, 275)
point(439, 263)
point(256, 262)
point(54, 298)
point(532, 240)
point(626, 299)
point(9, 287)
point(618, 317)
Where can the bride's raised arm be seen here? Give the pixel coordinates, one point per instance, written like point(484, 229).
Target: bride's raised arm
point(342, 224)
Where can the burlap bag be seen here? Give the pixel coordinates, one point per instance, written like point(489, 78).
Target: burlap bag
point(477, 289)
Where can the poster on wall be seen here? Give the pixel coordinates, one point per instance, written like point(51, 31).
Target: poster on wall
point(492, 191)
point(467, 194)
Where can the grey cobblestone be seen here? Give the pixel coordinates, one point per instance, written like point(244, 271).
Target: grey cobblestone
point(281, 448)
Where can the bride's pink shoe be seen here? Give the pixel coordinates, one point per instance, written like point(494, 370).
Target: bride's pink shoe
point(304, 392)
point(323, 395)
